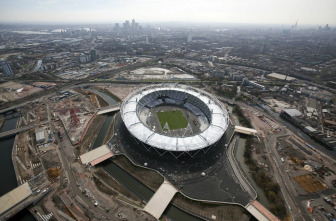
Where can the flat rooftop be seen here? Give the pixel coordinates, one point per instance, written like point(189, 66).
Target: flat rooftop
point(14, 197)
point(281, 77)
point(95, 154)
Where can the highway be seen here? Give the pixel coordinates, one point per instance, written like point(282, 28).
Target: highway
point(66, 85)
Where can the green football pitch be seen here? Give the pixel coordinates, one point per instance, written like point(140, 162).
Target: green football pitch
point(174, 119)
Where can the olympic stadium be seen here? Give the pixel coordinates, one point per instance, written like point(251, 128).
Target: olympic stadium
point(174, 118)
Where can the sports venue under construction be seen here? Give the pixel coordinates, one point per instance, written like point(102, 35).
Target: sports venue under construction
point(174, 118)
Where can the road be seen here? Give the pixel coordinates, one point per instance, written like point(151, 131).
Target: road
point(14, 107)
point(66, 154)
point(73, 183)
point(21, 129)
point(283, 179)
point(294, 202)
point(24, 101)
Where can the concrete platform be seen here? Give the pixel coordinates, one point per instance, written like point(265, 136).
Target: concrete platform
point(245, 130)
point(97, 155)
point(14, 197)
point(260, 212)
point(160, 200)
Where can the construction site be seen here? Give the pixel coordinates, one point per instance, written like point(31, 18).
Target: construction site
point(11, 91)
point(66, 125)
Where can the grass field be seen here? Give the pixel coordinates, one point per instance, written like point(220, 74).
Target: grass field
point(175, 119)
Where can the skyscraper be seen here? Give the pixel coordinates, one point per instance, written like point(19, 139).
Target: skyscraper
point(93, 54)
point(189, 38)
point(6, 68)
point(126, 25)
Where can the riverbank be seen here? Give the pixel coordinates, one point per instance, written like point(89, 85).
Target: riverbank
point(8, 170)
point(206, 210)
point(2, 121)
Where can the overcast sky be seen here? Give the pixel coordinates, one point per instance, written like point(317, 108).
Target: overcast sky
point(318, 12)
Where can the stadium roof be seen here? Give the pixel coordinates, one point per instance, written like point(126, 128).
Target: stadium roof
point(218, 125)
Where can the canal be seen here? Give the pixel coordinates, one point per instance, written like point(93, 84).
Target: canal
point(239, 155)
point(7, 173)
point(123, 177)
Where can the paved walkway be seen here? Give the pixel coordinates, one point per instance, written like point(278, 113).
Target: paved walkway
point(245, 130)
point(161, 199)
point(260, 212)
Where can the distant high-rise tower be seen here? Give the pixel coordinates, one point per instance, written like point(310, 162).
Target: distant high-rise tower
point(147, 40)
point(93, 55)
point(126, 25)
point(6, 68)
point(189, 38)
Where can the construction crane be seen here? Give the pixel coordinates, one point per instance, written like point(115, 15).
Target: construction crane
point(294, 26)
point(74, 120)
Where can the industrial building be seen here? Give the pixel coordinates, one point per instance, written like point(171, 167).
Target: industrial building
point(39, 135)
point(7, 70)
point(281, 77)
point(247, 82)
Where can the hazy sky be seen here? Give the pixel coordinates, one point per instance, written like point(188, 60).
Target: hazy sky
point(225, 11)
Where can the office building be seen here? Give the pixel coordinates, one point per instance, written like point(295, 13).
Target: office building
point(7, 70)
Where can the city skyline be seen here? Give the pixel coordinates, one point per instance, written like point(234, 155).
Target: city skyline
point(214, 11)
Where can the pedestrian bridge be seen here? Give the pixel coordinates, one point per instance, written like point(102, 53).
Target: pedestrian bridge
point(12, 202)
point(260, 212)
point(161, 199)
point(108, 109)
point(21, 129)
point(97, 155)
point(15, 131)
point(245, 130)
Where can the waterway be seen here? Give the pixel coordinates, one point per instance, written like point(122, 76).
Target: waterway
point(239, 155)
point(128, 180)
point(107, 98)
point(7, 172)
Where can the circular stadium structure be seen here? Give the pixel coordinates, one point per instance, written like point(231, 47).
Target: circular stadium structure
point(174, 118)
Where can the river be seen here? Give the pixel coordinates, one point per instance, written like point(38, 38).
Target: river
point(7, 172)
point(128, 180)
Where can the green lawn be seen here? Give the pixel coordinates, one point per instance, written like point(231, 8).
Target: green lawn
point(175, 120)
